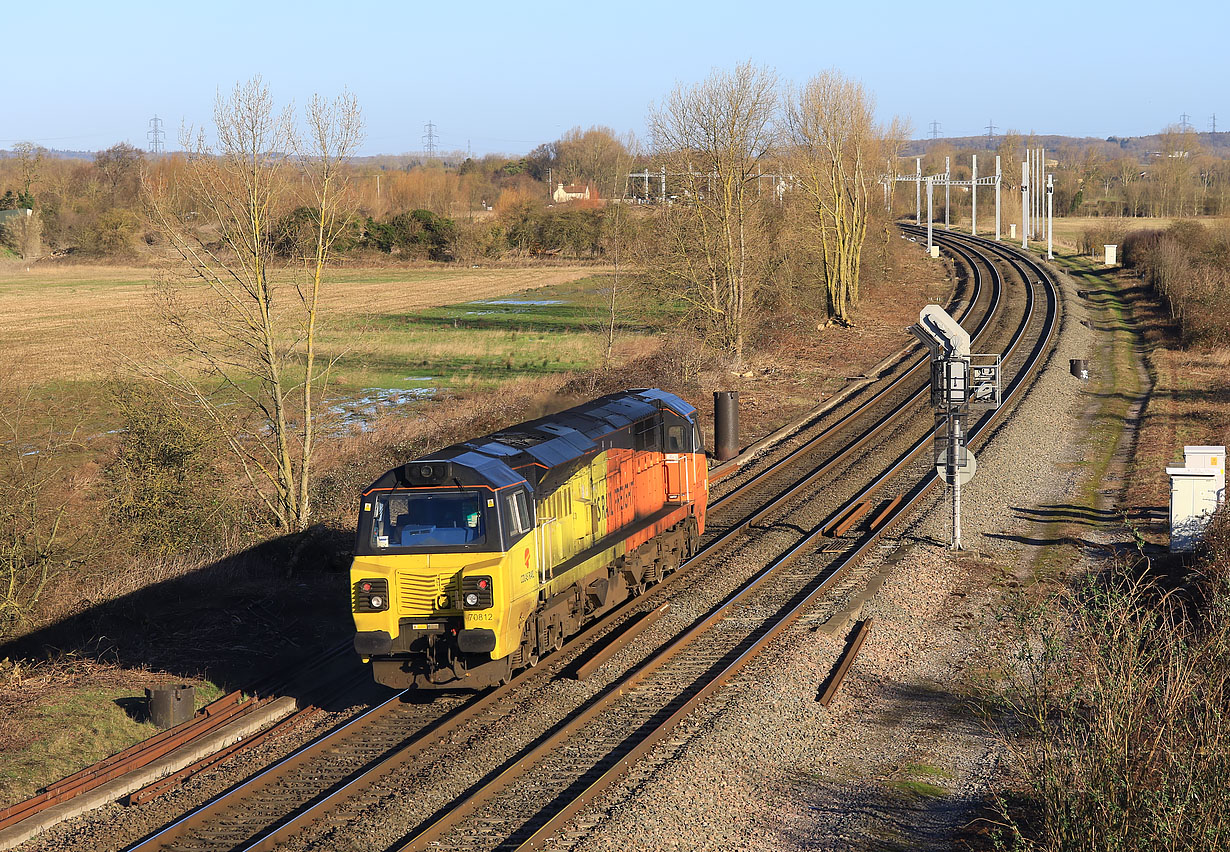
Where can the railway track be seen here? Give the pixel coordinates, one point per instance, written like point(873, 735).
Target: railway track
point(640, 710)
point(411, 743)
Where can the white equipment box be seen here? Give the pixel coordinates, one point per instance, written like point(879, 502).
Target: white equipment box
point(1196, 491)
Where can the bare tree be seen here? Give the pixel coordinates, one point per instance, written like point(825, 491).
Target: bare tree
point(29, 162)
point(1174, 170)
point(121, 166)
point(37, 542)
point(714, 138)
point(836, 149)
point(334, 133)
point(615, 230)
point(251, 324)
point(591, 156)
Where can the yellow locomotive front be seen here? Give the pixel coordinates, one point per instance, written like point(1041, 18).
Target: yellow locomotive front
point(435, 595)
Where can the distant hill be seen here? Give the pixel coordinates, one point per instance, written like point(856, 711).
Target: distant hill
point(1213, 143)
point(1112, 146)
point(57, 154)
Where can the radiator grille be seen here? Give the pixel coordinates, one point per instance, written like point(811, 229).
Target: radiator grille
point(418, 594)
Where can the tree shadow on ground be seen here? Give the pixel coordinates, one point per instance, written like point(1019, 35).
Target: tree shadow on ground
point(1068, 513)
point(248, 621)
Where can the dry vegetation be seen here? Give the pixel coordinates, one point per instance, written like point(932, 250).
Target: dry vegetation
point(1114, 712)
point(1112, 707)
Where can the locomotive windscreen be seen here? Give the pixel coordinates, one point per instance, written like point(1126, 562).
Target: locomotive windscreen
point(427, 519)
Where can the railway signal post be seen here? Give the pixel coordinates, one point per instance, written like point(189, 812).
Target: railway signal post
point(960, 381)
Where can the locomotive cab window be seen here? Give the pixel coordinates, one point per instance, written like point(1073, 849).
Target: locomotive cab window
point(675, 440)
point(427, 519)
point(519, 519)
point(646, 434)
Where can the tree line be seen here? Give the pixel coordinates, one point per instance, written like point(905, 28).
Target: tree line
point(1176, 175)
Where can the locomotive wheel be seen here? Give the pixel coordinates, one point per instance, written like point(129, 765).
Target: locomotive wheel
point(554, 639)
point(506, 674)
point(529, 648)
point(692, 538)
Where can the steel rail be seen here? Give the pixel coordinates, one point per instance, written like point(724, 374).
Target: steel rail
point(329, 799)
point(869, 434)
point(207, 720)
point(845, 661)
point(883, 392)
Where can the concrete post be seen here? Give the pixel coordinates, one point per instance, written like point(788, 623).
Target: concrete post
point(998, 179)
point(973, 200)
point(929, 214)
point(1025, 202)
point(947, 191)
point(918, 190)
point(1050, 217)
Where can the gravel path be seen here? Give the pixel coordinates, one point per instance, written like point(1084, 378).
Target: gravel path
point(898, 760)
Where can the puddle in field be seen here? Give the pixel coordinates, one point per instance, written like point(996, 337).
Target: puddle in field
point(357, 414)
point(521, 302)
point(517, 306)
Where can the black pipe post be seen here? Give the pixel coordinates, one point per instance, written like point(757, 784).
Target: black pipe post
point(171, 705)
point(725, 425)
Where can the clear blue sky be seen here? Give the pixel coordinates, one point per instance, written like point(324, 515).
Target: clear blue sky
point(506, 76)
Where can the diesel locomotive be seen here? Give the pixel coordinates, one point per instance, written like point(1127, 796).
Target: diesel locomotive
point(473, 562)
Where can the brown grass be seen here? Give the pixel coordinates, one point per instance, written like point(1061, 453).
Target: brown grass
point(62, 323)
point(1070, 229)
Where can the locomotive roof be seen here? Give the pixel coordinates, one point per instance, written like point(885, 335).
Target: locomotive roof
point(545, 450)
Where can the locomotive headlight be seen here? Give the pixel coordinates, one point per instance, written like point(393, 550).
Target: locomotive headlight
point(477, 593)
point(371, 595)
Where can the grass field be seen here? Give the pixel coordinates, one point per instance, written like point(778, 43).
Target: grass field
point(395, 357)
point(400, 337)
point(69, 323)
point(1070, 230)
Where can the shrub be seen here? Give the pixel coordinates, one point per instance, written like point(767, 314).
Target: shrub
point(163, 485)
point(417, 233)
point(39, 536)
point(113, 234)
point(1189, 266)
point(1115, 716)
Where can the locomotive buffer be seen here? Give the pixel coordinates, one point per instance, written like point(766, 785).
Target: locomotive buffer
point(960, 382)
